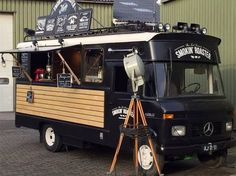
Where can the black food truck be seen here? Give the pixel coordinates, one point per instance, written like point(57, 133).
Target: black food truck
point(75, 90)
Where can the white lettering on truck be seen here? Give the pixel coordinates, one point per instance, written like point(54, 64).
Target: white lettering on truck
point(184, 51)
point(194, 51)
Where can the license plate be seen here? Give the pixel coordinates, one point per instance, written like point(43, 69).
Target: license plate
point(210, 147)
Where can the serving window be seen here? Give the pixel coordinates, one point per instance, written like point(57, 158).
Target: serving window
point(72, 57)
point(93, 66)
point(44, 66)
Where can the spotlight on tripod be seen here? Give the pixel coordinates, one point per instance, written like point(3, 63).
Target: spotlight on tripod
point(134, 68)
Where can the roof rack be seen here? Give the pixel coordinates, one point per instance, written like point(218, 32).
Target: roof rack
point(127, 27)
point(121, 28)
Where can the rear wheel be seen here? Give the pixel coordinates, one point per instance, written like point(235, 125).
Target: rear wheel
point(217, 159)
point(146, 161)
point(51, 139)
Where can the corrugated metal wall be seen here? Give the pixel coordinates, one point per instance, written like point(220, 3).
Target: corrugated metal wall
point(220, 19)
point(26, 13)
point(101, 12)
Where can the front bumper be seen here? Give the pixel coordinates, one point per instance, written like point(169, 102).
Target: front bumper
point(198, 148)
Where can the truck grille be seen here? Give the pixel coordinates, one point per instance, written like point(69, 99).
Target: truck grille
point(197, 129)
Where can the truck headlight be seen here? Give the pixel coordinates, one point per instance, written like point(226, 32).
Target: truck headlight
point(178, 130)
point(228, 126)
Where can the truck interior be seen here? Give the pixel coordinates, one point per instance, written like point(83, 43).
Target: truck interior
point(184, 79)
point(44, 66)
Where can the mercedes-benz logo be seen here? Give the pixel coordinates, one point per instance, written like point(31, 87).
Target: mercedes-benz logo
point(208, 129)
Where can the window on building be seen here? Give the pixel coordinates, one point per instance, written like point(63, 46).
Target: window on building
point(93, 65)
point(4, 81)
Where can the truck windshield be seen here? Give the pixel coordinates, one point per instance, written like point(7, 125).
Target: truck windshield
point(187, 79)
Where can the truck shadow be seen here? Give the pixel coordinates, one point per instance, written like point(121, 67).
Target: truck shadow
point(125, 166)
point(194, 168)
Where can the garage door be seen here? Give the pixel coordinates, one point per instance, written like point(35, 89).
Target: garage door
point(6, 80)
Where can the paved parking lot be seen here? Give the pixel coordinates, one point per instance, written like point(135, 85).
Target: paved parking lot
point(21, 154)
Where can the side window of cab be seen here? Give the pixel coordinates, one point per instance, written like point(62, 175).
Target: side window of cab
point(149, 86)
point(93, 65)
point(120, 80)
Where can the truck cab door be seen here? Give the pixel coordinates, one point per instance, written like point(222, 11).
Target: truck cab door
point(119, 98)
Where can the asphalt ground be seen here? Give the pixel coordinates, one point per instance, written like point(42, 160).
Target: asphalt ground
point(21, 154)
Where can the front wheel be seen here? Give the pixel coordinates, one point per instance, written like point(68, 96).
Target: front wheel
point(214, 160)
point(146, 160)
point(51, 139)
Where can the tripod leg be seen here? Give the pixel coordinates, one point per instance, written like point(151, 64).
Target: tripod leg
point(149, 138)
point(136, 155)
point(121, 136)
point(141, 113)
point(129, 112)
point(154, 154)
point(116, 154)
point(136, 138)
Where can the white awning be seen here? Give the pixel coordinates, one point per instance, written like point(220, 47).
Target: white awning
point(53, 44)
point(32, 49)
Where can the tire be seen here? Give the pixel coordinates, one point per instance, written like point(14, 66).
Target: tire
point(217, 159)
point(52, 141)
point(146, 164)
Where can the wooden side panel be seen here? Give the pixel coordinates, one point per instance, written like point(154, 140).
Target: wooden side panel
point(67, 104)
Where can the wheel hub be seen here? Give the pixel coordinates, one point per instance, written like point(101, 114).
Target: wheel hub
point(50, 136)
point(145, 157)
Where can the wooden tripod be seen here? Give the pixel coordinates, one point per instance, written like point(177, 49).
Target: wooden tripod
point(136, 106)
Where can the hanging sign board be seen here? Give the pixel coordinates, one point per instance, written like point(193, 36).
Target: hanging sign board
point(16, 72)
point(64, 19)
point(30, 96)
point(64, 80)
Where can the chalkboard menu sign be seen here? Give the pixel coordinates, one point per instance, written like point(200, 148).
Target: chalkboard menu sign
point(40, 28)
point(60, 24)
point(72, 23)
point(25, 63)
point(64, 80)
point(16, 72)
point(84, 20)
point(50, 26)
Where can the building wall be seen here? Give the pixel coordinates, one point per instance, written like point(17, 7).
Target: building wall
point(219, 17)
point(6, 81)
point(102, 12)
point(26, 13)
